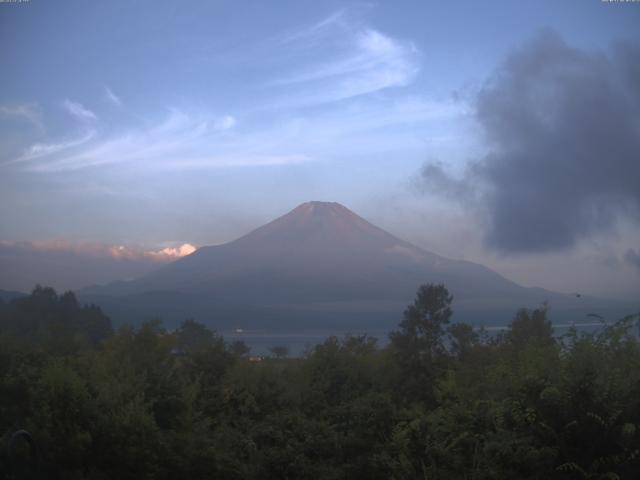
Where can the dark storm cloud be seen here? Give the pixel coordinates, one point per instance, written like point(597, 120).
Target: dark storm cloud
point(632, 257)
point(435, 178)
point(563, 130)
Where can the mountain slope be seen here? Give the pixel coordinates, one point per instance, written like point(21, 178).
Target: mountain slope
point(8, 295)
point(317, 252)
point(318, 260)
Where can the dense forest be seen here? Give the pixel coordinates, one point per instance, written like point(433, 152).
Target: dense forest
point(441, 401)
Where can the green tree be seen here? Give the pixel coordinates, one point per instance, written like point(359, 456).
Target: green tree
point(418, 346)
point(193, 337)
point(531, 327)
point(462, 339)
point(422, 329)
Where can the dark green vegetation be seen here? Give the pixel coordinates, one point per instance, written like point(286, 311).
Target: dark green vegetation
point(442, 401)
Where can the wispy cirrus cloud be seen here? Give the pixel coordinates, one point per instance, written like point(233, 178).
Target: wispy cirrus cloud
point(311, 35)
point(179, 140)
point(349, 60)
point(112, 97)
point(79, 111)
point(168, 139)
point(28, 111)
point(42, 150)
point(188, 140)
point(339, 63)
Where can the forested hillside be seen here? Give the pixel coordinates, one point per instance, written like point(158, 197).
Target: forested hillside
point(441, 401)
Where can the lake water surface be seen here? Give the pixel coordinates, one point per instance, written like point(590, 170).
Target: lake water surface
point(261, 341)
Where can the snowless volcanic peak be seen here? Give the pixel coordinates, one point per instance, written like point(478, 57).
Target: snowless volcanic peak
point(327, 223)
point(333, 214)
point(319, 263)
point(320, 252)
point(309, 209)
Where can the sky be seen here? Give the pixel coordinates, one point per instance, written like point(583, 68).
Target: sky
point(501, 132)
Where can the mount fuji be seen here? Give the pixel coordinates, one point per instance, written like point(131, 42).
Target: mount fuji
point(318, 265)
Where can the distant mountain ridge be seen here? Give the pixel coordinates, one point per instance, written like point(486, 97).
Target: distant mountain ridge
point(67, 265)
point(8, 295)
point(318, 260)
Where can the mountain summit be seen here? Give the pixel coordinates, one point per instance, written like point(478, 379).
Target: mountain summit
point(316, 229)
point(319, 257)
point(321, 224)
